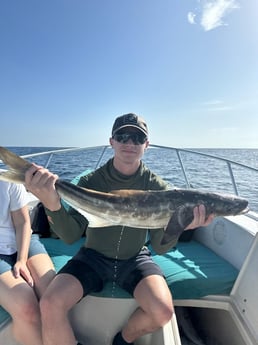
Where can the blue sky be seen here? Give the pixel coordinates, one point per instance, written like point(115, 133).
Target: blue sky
point(69, 67)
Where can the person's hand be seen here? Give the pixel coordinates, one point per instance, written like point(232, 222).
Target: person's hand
point(20, 269)
point(200, 218)
point(41, 182)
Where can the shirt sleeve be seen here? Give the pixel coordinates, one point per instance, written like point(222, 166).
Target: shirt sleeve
point(70, 225)
point(18, 196)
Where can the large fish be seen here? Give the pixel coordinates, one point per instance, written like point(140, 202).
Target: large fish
point(171, 209)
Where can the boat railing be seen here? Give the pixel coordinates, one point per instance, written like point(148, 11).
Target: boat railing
point(228, 162)
point(179, 152)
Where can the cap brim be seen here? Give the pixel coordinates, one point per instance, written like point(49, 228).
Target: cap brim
point(130, 125)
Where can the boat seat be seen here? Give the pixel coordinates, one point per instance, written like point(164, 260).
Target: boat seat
point(192, 271)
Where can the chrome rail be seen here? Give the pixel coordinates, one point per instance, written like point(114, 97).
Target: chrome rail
point(228, 162)
point(178, 151)
point(51, 153)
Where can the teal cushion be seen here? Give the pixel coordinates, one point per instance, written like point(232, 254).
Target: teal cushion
point(61, 252)
point(191, 270)
point(4, 316)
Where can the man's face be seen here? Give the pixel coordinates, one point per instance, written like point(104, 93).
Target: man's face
point(129, 144)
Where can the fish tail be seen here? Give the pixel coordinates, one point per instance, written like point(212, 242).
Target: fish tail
point(12, 176)
point(17, 166)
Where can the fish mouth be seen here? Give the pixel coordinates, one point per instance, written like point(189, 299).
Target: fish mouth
point(241, 211)
point(244, 211)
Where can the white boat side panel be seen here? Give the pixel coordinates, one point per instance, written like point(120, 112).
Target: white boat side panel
point(223, 236)
point(245, 290)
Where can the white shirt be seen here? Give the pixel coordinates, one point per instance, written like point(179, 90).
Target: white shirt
point(12, 197)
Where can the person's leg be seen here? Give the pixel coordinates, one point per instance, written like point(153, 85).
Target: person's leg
point(156, 308)
point(74, 281)
point(143, 279)
point(40, 265)
point(61, 295)
point(42, 271)
point(19, 299)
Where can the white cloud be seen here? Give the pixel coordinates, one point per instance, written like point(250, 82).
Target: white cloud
point(213, 102)
point(216, 105)
point(212, 13)
point(191, 17)
point(218, 109)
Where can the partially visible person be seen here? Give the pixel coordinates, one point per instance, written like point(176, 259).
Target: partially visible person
point(114, 253)
point(25, 267)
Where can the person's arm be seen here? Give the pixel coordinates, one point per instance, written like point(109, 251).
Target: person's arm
point(41, 182)
point(22, 225)
point(69, 226)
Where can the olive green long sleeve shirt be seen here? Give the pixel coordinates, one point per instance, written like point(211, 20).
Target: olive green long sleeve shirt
point(116, 241)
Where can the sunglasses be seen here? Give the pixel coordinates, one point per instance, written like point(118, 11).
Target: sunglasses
point(137, 139)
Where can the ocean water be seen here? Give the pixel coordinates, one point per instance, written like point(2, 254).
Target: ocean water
point(202, 172)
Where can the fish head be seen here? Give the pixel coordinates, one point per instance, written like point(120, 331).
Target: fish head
point(230, 205)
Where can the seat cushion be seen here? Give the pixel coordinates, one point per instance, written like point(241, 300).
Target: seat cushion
point(191, 270)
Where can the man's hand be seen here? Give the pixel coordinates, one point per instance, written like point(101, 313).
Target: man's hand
point(200, 218)
point(41, 182)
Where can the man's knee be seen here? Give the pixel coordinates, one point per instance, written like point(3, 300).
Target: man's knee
point(163, 314)
point(167, 313)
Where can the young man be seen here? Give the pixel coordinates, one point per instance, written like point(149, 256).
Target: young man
point(106, 248)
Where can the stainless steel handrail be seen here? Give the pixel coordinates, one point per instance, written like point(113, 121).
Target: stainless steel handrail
point(51, 153)
point(228, 162)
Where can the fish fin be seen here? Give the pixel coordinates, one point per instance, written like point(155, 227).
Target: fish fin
point(13, 161)
point(182, 217)
point(17, 164)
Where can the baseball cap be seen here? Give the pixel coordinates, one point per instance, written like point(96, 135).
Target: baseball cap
point(130, 120)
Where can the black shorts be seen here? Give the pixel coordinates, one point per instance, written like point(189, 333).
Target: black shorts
point(93, 270)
